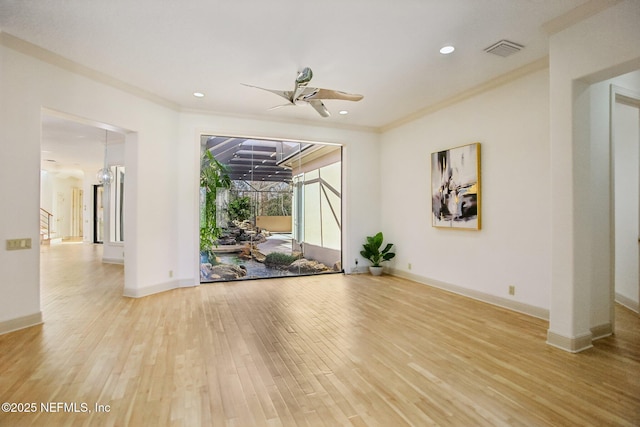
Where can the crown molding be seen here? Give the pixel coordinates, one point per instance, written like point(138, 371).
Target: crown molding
point(30, 49)
point(284, 120)
point(532, 67)
point(577, 14)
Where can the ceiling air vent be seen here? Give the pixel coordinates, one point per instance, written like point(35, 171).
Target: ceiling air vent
point(504, 48)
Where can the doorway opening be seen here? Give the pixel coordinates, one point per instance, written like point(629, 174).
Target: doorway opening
point(625, 143)
point(74, 206)
point(269, 208)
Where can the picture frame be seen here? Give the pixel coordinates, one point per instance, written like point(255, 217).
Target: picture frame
point(455, 188)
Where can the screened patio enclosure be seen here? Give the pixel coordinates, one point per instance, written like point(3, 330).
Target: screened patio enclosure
point(269, 208)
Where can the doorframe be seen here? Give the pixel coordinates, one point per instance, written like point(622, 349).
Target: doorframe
point(617, 94)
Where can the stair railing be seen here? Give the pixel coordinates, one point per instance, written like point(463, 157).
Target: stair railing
point(45, 223)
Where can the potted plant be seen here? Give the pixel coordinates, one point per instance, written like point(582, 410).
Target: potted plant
point(371, 251)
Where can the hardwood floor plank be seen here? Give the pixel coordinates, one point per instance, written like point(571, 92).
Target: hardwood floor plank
point(328, 350)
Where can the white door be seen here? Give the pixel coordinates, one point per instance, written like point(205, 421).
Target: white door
point(60, 216)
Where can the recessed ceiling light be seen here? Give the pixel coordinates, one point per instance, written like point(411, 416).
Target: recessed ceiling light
point(344, 112)
point(445, 50)
point(198, 94)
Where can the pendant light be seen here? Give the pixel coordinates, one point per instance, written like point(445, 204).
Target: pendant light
point(104, 175)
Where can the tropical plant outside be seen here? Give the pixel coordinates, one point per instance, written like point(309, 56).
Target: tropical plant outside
point(239, 209)
point(213, 175)
point(268, 198)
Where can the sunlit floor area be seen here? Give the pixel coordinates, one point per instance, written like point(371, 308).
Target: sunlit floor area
point(328, 350)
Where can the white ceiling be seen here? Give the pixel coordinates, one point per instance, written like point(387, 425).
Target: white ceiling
point(387, 50)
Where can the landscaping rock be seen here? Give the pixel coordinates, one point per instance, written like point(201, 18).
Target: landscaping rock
point(228, 271)
point(226, 241)
point(306, 266)
point(258, 256)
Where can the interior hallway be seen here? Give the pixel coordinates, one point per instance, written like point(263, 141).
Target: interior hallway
point(316, 350)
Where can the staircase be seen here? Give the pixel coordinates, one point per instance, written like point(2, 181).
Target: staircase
point(46, 224)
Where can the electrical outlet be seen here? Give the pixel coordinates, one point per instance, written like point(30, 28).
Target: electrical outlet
point(170, 273)
point(409, 266)
point(512, 290)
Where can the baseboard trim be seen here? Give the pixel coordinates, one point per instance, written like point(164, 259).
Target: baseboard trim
point(359, 270)
point(156, 289)
point(628, 302)
point(150, 290)
point(23, 322)
point(517, 306)
point(188, 283)
point(601, 331)
point(571, 344)
point(119, 261)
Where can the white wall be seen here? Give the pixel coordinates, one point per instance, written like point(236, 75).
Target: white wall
point(27, 86)
point(19, 163)
point(600, 47)
point(512, 248)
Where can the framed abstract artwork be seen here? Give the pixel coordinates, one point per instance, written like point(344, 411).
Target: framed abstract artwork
point(455, 188)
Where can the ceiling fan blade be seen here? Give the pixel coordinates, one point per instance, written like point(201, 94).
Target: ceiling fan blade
point(280, 106)
point(286, 94)
point(332, 94)
point(319, 107)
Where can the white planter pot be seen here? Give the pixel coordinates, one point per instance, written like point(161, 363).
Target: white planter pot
point(375, 271)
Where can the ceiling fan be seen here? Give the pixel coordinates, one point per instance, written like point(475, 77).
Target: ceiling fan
point(310, 95)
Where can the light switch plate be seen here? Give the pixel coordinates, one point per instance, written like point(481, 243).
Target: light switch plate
point(17, 244)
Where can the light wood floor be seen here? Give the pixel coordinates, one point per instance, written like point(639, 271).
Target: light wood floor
point(318, 351)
